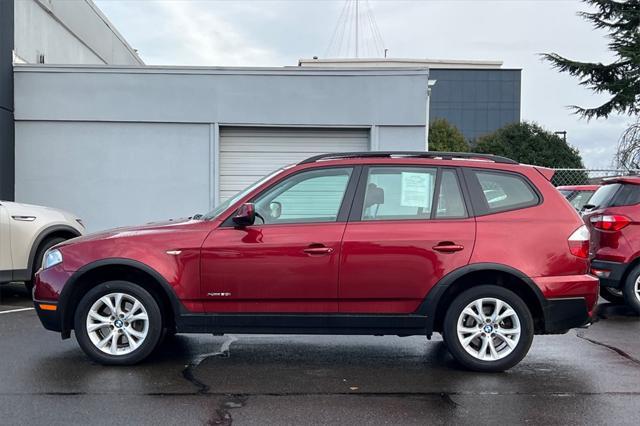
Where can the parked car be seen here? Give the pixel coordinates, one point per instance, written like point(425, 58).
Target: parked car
point(346, 243)
point(26, 233)
point(613, 215)
point(578, 195)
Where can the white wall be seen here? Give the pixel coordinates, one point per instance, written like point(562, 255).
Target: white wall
point(68, 32)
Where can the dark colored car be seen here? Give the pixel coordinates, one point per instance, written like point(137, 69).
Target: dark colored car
point(613, 214)
point(476, 247)
point(578, 195)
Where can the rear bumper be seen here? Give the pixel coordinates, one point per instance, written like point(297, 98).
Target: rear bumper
point(615, 273)
point(561, 315)
point(569, 301)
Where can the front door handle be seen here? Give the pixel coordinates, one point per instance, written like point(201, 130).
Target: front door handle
point(448, 247)
point(316, 250)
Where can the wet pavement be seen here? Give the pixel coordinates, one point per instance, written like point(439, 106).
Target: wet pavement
point(586, 376)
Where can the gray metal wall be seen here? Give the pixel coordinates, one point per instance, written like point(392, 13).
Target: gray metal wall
point(6, 101)
point(476, 101)
point(126, 145)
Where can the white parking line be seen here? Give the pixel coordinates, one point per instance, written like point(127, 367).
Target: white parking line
point(16, 310)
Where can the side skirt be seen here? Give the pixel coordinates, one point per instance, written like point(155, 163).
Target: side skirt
point(406, 325)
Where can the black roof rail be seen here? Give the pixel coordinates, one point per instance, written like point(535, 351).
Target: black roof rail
point(410, 154)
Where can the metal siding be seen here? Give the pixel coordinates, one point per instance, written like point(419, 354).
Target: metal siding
point(247, 154)
point(114, 174)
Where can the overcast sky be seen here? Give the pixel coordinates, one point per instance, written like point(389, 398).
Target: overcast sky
point(278, 33)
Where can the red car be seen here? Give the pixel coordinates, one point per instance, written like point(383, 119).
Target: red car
point(476, 247)
point(578, 195)
point(613, 213)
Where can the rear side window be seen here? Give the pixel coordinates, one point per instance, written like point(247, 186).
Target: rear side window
point(628, 195)
point(397, 193)
point(504, 191)
point(604, 195)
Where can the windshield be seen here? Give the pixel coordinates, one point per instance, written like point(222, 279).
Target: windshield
point(230, 201)
point(566, 192)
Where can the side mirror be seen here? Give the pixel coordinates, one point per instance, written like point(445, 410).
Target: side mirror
point(245, 215)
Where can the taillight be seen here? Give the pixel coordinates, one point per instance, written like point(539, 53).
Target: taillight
point(579, 242)
point(609, 222)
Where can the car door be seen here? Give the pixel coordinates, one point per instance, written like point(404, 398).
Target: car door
point(409, 226)
point(288, 260)
point(6, 264)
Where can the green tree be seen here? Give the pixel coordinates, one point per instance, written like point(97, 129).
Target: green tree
point(444, 136)
point(621, 78)
point(531, 144)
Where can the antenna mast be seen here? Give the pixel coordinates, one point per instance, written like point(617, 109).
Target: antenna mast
point(349, 28)
point(357, 16)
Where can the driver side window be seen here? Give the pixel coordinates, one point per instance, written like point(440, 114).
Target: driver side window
point(308, 197)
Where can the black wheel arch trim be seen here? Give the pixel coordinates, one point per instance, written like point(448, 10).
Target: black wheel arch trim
point(176, 306)
point(43, 236)
point(430, 303)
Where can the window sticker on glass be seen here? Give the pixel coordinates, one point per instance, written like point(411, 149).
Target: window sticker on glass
point(416, 190)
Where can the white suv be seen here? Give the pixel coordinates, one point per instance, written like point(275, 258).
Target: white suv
point(26, 233)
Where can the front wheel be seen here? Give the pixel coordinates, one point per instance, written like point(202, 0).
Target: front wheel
point(118, 323)
point(488, 329)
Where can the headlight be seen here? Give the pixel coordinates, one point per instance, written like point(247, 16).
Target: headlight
point(51, 258)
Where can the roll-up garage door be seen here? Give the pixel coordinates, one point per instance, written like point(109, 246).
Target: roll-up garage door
point(249, 153)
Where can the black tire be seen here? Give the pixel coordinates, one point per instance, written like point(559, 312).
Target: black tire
point(456, 348)
point(37, 261)
point(148, 344)
point(631, 294)
point(607, 294)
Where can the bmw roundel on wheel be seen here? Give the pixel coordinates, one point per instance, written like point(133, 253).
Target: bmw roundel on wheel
point(476, 247)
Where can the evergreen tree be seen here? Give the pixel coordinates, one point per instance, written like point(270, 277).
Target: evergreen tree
point(621, 78)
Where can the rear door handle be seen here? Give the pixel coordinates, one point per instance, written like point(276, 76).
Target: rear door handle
point(448, 247)
point(318, 250)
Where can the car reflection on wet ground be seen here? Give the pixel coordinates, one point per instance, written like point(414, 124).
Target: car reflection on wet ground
point(586, 376)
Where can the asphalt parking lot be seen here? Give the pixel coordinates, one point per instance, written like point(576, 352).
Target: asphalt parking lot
point(586, 376)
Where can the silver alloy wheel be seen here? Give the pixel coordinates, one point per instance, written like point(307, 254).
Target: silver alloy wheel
point(636, 289)
point(117, 323)
point(488, 329)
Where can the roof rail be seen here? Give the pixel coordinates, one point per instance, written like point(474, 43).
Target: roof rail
point(410, 154)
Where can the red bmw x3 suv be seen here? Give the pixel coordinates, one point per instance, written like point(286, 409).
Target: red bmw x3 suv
point(476, 247)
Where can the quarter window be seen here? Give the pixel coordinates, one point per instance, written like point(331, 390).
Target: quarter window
point(450, 201)
point(505, 191)
point(307, 197)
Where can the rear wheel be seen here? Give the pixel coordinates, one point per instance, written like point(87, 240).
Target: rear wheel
point(612, 295)
point(37, 261)
point(632, 289)
point(488, 328)
point(118, 323)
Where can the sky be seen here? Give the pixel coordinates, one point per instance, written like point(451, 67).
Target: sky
point(278, 33)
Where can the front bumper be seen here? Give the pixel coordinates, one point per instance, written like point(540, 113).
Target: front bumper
point(615, 274)
point(49, 318)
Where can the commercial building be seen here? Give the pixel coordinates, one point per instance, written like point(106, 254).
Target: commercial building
point(121, 143)
point(477, 97)
point(50, 32)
